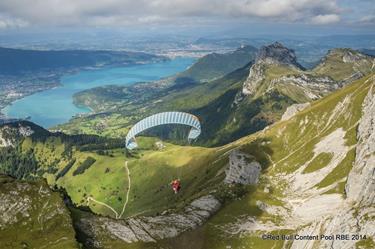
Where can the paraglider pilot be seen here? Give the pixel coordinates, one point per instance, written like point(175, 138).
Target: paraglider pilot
point(176, 185)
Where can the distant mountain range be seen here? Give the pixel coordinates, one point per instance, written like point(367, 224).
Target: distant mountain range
point(241, 102)
point(19, 61)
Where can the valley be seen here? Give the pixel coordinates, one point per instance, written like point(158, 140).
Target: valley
point(20, 78)
point(283, 150)
point(55, 106)
point(241, 102)
point(283, 200)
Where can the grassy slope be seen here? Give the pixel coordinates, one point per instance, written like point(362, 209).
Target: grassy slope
point(106, 180)
point(333, 66)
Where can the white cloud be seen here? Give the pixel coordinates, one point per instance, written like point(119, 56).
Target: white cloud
point(369, 19)
point(325, 19)
point(6, 23)
point(129, 12)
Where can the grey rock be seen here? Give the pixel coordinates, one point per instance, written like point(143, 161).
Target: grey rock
point(150, 228)
point(242, 169)
point(256, 76)
point(350, 56)
point(293, 110)
point(277, 53)
point(357, 215)
point(360, 187)
point(9, 135)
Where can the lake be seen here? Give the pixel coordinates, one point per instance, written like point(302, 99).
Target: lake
point(55, 106)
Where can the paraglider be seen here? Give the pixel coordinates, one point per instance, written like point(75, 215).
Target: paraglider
point(163, 118)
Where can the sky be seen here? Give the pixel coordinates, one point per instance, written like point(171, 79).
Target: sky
point(267, 16)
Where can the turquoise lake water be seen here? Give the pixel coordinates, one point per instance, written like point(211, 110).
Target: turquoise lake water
point(55, 106)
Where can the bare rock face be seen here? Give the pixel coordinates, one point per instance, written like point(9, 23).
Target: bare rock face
point(149, 228)
point(277, 53)
point(314, 87)
point(9, 135)
point(350, 56)
point(256, 76)
point(242, 169)
point(293, 110)
point(360, 187)
point(357, 213)
point(348, 222)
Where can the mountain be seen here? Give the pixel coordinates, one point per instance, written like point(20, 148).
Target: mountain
point(213, 66)
point(33, 216)
point(276, 53)
point(345, 64)
point(309, 174)
point(278, 68)
point(237, 104)
point(20, 61)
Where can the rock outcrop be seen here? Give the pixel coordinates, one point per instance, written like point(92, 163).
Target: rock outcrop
point(351, 56)
point(293, 110)
point(242, 169)
point(10, 134)
point(360, 187)
point(149, 229)
point(356, 215)
point(256, 76)
point(275, 53)
point(313, 87)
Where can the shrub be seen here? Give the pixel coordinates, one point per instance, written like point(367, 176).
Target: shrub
point(66, 169)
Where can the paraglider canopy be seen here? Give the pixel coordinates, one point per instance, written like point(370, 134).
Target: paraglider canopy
point(162, 119)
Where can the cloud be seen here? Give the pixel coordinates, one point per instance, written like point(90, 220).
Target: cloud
point(367, 20)
point(325, 19)
point(7, 23)
point(131, 12)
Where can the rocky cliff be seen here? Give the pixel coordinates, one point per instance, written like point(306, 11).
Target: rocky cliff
point(32, 216)
point(10, 134)
point(356, 214)
point(276, 68)
point(360, 187)
point(147, 229)
point(277, 53)
point(242, 169)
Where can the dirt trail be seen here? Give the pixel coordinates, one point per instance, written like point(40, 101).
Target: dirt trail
point(117, 215)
